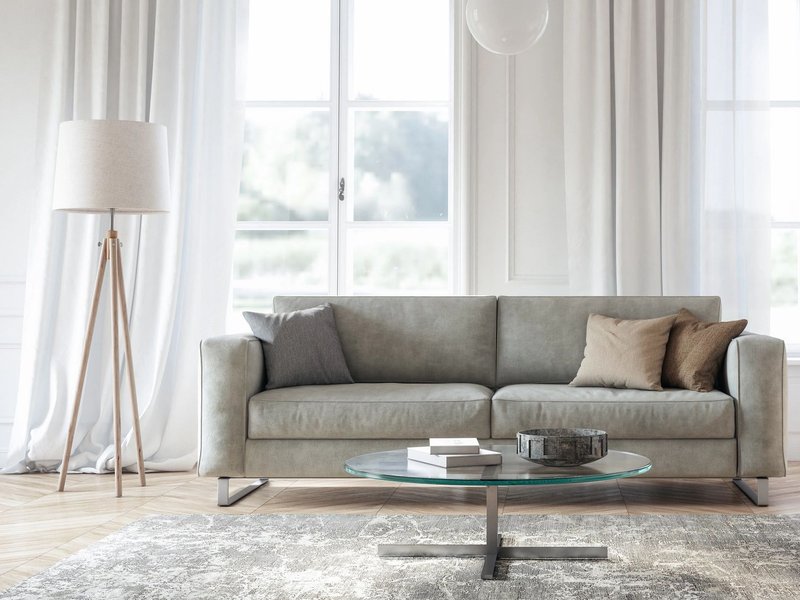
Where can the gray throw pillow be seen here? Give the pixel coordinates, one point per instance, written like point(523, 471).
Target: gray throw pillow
point(300, 347)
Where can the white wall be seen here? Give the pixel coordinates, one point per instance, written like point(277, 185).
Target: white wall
point(21, 50)
point(520, 216)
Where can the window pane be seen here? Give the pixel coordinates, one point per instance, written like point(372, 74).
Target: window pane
point(751, 48)
point(398, 261)
point(720, 192)
point(784, 49)
point(737, 57)
point(785, 163)
point(401, 165)
point(719, 50)
point(288, 53)
point(401, 50)
point(786, 285)
point(285, 169)
point(270, 262)
point(737, 161)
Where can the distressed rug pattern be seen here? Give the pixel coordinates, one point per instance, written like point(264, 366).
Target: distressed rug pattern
point(332, 556)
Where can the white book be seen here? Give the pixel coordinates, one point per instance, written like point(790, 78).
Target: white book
point(454, 446)
point(484, 457)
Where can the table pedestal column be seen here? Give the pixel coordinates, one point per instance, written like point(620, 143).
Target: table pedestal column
point(493, 548)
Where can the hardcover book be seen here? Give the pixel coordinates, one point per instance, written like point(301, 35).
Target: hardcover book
point(483, 458)
point(454, 446)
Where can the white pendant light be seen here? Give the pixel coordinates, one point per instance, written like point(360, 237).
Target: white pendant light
point(507, 26)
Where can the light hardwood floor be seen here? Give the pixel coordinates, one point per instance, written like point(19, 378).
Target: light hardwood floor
point(39, 526)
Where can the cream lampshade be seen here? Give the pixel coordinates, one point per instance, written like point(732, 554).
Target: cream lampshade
point(110, 166)
point(104, 165)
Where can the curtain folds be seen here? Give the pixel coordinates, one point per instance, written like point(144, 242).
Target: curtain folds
point(613, 144)
point(172, 63)
point(667, 185)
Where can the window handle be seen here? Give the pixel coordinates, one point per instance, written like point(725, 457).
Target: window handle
point(341, 190)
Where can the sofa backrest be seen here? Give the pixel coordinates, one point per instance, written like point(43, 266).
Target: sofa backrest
point(413, 339)
point(541, 339)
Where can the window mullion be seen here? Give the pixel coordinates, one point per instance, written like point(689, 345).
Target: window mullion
point(344, 71)
point(335, 161)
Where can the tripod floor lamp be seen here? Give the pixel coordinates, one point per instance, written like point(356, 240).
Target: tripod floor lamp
point(110, 167)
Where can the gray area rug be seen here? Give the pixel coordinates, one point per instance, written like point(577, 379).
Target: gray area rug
point(331, 556)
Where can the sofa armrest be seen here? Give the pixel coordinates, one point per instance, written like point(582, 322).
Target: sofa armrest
point(755, 374)
point(231, 372)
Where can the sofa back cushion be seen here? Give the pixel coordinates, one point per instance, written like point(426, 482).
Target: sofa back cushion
point(413, 339)
point(541, 339)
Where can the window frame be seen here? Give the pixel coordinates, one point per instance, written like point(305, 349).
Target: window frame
point(734, 106)
point(341, 158)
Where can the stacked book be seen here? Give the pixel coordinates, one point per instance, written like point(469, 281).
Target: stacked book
point(455, 452)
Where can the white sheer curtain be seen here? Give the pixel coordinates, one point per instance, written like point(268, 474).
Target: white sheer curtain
point(172, 63)
point(667, 189)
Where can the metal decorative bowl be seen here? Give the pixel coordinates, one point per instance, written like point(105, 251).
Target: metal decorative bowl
point(562, 447)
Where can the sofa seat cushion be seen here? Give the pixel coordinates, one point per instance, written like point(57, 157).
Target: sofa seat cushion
point(371, 411)
point(624, 414)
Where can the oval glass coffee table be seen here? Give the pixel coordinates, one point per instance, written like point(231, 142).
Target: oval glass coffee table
point(394, 465)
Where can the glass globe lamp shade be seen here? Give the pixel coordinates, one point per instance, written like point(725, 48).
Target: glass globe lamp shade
point(507, 26)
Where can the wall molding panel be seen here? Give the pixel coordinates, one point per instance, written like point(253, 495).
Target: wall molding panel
point(518, 213)
point(12, 295)
point(6, 423)
point(10, 327)
point(12, 308)
point(510, 128)
point(512, 171)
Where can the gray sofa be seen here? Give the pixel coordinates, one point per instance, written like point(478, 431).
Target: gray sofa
point(484, 367)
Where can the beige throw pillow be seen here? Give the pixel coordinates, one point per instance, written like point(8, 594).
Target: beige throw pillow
point(624, 353)
point(695, 351)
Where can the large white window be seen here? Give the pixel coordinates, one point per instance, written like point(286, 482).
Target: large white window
point(752, 100)
point(784, 60)
point(347, 175)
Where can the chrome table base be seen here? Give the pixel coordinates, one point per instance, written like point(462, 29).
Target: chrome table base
point(492, 549)
point(492, 553)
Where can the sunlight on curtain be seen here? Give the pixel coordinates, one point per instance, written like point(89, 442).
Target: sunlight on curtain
point(705, 98)
point(784, 61)
point(735, 216)
point(128, 60)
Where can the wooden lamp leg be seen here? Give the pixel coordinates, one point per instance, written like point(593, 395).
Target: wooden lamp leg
point(120, 282)
point(119, 311)
point(112, 244)
point(87, 345)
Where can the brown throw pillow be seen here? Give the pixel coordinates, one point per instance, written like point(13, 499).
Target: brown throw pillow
point(695, 351)
point(624, 353)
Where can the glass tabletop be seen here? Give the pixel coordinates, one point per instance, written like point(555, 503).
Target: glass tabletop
point(394, 465)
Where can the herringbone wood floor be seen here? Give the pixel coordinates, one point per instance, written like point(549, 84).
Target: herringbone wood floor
point(39, 526)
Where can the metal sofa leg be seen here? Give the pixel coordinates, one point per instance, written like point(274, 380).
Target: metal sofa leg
point(223, 493)
point(758, 496)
